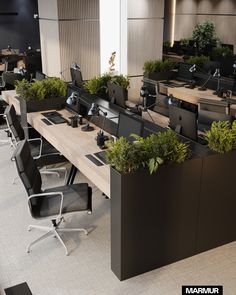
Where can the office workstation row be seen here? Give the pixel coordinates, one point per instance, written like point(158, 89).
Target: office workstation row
point(156, 217)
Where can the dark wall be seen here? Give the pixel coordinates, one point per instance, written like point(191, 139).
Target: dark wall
point(21, 29)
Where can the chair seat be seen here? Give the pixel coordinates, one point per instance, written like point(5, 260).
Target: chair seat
point(76, 198)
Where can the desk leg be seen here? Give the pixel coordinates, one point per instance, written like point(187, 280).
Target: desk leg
point(72, 175)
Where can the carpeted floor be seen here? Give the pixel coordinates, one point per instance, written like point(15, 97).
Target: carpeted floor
point(86, 270)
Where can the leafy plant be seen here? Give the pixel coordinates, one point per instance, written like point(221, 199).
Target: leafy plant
point(219, 52)
point(125, 156)
point(98, 84)
point(121, 80)
point(150, 152)
point(205, 36)
point(155, 66)
point(38, 90)
point(185, 42)
point(166, 146)
point(198, 60)
point(221, 137)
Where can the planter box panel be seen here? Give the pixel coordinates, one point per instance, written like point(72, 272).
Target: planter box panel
point(157, 217)
point(42, 105)
point(217, 218)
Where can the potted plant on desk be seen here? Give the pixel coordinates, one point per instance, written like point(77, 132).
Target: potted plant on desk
point(41, 95)
point(158, 69)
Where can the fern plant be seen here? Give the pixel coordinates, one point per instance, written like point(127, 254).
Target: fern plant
point(38, 90)
point(156, 66)
point(198, 60)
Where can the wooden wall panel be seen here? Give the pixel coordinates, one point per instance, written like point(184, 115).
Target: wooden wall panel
point(217, 7)
point(184, 25)
point(78, 9)
point(144, 42)
point(79, 42)
point(186, 6)
point(145, 8)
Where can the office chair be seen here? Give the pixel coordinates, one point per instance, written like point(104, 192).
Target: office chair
point(2, 82)
point(51, 203)
point(41, 150)
point(3, 125)
point(206, 118)
point(10, 78)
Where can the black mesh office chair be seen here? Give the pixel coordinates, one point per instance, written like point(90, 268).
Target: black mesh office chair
point(51, 203)
point(41, 150)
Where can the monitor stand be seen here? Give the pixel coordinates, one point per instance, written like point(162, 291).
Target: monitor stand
point(178, 129)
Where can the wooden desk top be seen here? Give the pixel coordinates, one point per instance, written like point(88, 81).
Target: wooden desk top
point(73, 143)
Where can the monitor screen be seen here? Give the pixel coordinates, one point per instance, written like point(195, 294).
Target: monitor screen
point(183, 72)
point(117, 94)
point(39, 76)
point(128, 125)
point(76, 77)
point(183, 122)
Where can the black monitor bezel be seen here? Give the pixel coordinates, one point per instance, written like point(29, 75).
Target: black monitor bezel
point(129, 117)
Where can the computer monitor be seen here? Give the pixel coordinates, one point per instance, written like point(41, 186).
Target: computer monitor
point(128, 125)
point(189, 106)
point(76, 77)
point(183, 72)
point(183, 122)
point(117, 94)
point(40, 76)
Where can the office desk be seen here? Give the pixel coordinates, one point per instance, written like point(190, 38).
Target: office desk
point(73, 143)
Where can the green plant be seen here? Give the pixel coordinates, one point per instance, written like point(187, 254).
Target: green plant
point(167, 44)
point(150, 152)
point(185, 42)
point(121, 80)
point(221, 137)
point(204, 35)
point(166, 146)
point(155, 66)
point(198, 60)
point(219, 52)
point(38, 90)
point(125, 156)
point(98, 84)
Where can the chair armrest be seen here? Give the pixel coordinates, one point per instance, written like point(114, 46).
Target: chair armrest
point(50, 195)
point(40, 147)
point(27, 127)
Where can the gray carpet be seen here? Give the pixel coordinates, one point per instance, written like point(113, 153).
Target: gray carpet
point(86, 270)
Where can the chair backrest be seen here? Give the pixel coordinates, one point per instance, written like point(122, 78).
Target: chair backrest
point(10, 78)
point(27, 168)
point(14, 123)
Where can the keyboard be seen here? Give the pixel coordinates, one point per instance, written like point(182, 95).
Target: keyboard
point(101, 156)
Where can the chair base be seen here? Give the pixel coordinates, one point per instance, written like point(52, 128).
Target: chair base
point(54, 230)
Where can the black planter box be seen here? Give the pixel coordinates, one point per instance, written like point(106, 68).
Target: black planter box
point(179, 211)
point(159, 76)
point(42, 105)
point(153, 217)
